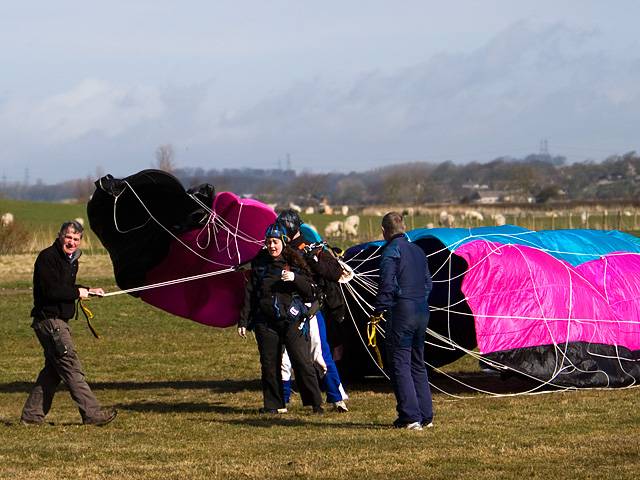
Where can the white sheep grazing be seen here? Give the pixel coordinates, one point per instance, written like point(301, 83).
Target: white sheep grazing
point(473, 215)
point(295, 207)
point(309, 211)
point(334, 229)
point(351, 225)
point(446, 220)
point(345, 210)
point(499, 220)
point(6, 219)
point(80, 220)
point(429, 225)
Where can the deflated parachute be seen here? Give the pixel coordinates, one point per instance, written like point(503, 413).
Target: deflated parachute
point(160, 235)
point(561, 307)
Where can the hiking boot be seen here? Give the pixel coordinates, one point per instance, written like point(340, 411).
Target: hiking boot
point(273, 411)
point(318, 409)
point(340, 407)
point(103, 418)
point(30, 423)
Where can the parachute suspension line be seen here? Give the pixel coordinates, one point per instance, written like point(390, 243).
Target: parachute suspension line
point(236, 235)
point(542, 383)
point(171, 233)
point(355, 325)
point(213, 217)
point(115, 217)
point(170, 282)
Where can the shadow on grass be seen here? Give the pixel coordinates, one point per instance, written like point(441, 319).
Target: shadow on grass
point(455, 383)
point(465, 382)
point(219, 386)
point(180, 407)
point(270, 421)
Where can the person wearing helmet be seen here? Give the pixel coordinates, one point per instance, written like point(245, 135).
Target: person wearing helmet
point(326, 272)
point(275, 307)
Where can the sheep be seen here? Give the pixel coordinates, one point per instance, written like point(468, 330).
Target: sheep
point(334, 229)
point(6, 219)
point(473, 215)
point(499, 220)
point(429, 225)
point(326, 209)
point(295, 207)
point(350, 225)
point(345, 210)
point(446, 220)
point(309, 211)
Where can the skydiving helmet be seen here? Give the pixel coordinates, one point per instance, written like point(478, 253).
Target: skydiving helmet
point(276, 230)
point(290, 220)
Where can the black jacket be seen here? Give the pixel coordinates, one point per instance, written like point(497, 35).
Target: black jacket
point(326, 272)
point(54, 284)
point(265, 287)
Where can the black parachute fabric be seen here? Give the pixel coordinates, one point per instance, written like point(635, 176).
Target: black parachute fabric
point(121, 212)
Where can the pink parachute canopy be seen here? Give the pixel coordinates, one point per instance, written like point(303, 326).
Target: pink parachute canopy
point(524, 297)
point(233, 235)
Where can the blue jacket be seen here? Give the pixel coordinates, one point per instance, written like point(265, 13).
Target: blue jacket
point(404, 274)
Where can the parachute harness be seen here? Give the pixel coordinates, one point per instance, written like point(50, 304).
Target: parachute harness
point(88, 315)
point(372, 328)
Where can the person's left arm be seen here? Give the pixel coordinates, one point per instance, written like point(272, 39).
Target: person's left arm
point(388, 282)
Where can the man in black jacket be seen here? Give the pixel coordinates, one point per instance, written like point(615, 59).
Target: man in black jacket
point(54, 303)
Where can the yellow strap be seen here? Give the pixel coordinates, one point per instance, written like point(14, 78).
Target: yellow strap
point(371, 336)
point(88, 314)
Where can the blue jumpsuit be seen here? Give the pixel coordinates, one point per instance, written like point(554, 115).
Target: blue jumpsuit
point(403, 290)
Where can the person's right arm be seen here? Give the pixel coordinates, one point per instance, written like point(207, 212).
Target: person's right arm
point(245, 312)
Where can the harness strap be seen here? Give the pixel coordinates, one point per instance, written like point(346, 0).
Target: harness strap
point(371, 336)
point(88, 314)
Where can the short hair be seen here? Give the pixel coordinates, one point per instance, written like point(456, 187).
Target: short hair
point(393, 224)
point(71, 224)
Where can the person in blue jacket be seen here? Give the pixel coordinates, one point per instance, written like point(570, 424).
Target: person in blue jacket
point(403, 291)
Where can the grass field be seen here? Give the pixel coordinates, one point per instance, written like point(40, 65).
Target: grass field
point(188, 397)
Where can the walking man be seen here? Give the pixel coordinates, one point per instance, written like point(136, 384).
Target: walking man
point(403, 291)
point(54, 295)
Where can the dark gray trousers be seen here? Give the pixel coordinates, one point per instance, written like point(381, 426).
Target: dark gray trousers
point(55, 337)
point(271, 338)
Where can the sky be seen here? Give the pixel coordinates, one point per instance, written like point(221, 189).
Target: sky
point(88, 89)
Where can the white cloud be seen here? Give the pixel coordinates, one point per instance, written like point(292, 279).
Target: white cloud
point(90, 107)
point(528, 82)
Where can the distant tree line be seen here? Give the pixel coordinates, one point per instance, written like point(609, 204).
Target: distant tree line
point(536, 178)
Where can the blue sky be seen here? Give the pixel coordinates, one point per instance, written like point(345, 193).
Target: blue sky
point(335, 85)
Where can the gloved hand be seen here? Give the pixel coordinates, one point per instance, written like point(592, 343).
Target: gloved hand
point(287, 276)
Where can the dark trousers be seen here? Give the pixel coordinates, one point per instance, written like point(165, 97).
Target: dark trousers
point(271, 338)
point(54, 336)
point(405, 348)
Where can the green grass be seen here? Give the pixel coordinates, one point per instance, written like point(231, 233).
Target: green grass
point(188, 396)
